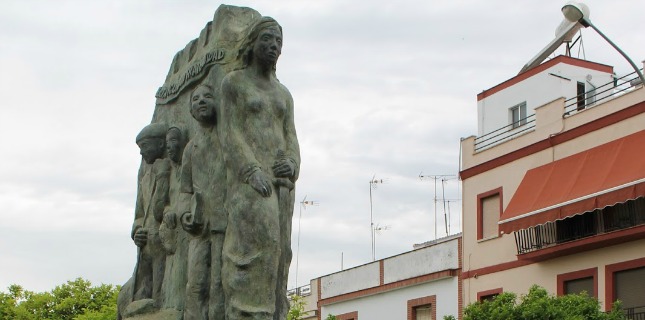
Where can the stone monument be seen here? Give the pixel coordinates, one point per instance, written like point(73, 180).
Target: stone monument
point(216, 192)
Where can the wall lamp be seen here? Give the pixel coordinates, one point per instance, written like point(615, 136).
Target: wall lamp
point(579, 12)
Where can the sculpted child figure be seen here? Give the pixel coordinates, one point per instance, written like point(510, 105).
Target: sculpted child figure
point(173, 237)
point(262, 157)
point(152, 198)
point(203, 186)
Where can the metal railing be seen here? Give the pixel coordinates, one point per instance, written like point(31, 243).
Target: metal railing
point(635, 313)
point(572, 105)
point(505, 133)
point(300, 291)
point(598, 94)
point(617, 217)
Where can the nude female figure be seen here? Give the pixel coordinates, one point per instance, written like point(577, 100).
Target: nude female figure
point(262, 159)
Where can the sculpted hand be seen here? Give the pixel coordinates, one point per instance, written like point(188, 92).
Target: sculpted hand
point(284, 168)
point(141, 237)
point(189, 224)
point(260, 183)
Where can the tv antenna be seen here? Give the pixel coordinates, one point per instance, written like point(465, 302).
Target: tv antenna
point(373, 183)
point(303, 205)
point(444, 178)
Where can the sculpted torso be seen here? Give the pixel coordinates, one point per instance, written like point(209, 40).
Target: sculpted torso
point(260, 115)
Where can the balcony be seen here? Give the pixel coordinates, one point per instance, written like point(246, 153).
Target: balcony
point(300, 291)
point(611, 225)
point(572, 106)
point(635, 313)
point(601, 93)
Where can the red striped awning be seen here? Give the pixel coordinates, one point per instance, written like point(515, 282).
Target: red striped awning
point(602, 176)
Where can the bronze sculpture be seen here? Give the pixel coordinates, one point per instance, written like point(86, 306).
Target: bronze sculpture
point(225, 222)
point(261, 147)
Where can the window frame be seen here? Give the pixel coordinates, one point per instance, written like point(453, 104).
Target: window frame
point(520, 108)
point(590, 96)
point(348, 316)
point(480, 211)
point(610, 270)
point(419, 302)
point(481, 295)
point(581, 89)
point(576, 275)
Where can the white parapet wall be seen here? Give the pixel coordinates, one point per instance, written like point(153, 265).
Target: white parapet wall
point(428, 260)
point(394, 304)
point(438, 257)
point(350, 280)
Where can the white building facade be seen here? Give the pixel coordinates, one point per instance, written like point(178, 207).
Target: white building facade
point(421, 284)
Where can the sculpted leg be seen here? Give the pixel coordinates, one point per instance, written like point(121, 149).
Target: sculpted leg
point(251, 264)
point(143, 284)
point(216, 300)
point(282, 302)
point(199, 258)
point(158, 265)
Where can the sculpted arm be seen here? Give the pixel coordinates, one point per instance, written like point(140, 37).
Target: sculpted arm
point(186, 192)
point(162, 188)
point(138, 234)
point(289, 165)
point(138, 206)
point(293, 148)
point(186, 178)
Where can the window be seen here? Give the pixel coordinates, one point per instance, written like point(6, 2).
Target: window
point(629, 286)
point(625, 281)
point(518, 115)
point(348, 316)
point(591, 95)
point(422, 308)
point(578, 281)
point(489, 208)
point(580, 94)
point(423, 312)
point(488, 294)
point(577, 286)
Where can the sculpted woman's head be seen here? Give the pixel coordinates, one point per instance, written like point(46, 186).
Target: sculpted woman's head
point(263, 43)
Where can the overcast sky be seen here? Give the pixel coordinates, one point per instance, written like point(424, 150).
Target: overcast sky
point(381, 88)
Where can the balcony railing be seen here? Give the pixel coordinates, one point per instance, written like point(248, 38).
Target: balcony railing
point(300, 291)
point(505, 133)
point(572, 105)
point(635, 313)
point(617, 217)
point(600, 93)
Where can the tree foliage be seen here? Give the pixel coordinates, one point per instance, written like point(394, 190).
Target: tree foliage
point(74, 300)
point(538, 304)
point(297, 309)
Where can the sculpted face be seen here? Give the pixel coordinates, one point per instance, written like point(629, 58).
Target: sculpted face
point(174, 145)
point(202, 105)
point(151, 149)
point(268, 45)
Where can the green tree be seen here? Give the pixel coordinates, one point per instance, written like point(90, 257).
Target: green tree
point(538, 304)
point(330, 317)
point(75, 300)
point(297, 309)
point(8, 301)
